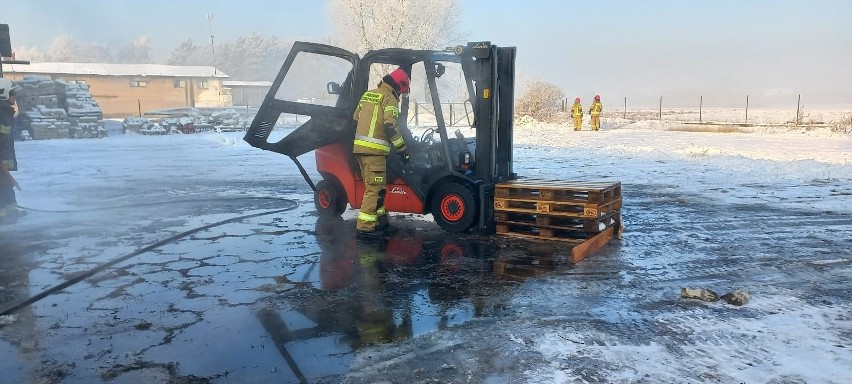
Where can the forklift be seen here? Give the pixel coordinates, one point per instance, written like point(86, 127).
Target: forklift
point(451, 176)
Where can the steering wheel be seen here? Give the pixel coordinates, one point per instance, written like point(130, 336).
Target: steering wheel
point(427, 135)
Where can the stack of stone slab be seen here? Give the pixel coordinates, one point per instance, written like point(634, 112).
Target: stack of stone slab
point(47, 123)
point(42, 105)
point(83, 112)
point(52, 109)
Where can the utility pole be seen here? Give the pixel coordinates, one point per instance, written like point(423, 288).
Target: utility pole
point(212, 47)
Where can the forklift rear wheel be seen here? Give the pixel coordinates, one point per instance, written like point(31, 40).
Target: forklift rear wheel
point(329, 198)
point(454, 207)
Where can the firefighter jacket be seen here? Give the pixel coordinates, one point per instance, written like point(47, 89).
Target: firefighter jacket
point(577, 110)
point(596, 108)
point(7, 142)
point(376, 109)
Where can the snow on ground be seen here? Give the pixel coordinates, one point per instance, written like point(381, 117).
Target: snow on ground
point(800, 166)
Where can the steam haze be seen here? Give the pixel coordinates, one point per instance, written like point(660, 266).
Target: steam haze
point(722, 50)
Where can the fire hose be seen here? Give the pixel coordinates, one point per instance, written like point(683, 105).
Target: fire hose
point(85, 275)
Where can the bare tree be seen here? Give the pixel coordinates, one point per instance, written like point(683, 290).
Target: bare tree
point(362, 25)
point(187, 53)
point(28, 53)
point(252, 57)
point(65, 48)
point(136, 52)
point(541, 101)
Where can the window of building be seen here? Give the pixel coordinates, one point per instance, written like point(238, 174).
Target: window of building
point(180, 83)
point(203, 84)
point(76, 82)
point(138, 83)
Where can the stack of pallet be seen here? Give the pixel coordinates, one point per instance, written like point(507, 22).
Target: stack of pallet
point(585, 214)
point(52, 109)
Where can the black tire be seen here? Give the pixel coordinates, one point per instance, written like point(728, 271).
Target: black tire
point(454, 207)
point(329, 198)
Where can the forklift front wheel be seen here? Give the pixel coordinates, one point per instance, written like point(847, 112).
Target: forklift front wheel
point(454, 207)
point(329, 198)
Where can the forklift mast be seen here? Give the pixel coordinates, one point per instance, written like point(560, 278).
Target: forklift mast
point(493, 69)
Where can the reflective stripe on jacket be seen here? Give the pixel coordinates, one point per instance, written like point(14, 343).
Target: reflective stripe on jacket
point(596, 108)
point(377, 108)
point(577, 110)
point(7, 142)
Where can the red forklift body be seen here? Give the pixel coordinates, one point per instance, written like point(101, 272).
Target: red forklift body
point(399, 196)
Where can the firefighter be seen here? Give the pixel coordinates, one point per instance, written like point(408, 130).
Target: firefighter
point(8, 204)
point(377, 130)
point(577, 113)
point(595, 113)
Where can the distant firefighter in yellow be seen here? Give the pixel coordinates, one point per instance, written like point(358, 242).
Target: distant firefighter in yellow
point(577, 114)
point(595, 112)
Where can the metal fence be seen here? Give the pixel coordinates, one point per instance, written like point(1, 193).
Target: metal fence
point(455, 114)
point(785, 108)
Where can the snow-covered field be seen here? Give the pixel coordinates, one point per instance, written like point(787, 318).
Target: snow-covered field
point(616, 317)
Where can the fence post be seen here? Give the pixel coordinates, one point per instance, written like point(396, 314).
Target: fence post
point(625, 107)
point(661, 108)
point(798, 108)
point(139, 105)
point(700, 109)
point(746, 117)
point(451, 115)
point(417, 114)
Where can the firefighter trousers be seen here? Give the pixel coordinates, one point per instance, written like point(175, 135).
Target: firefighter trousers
point(373, 171)
point(8, 203)
point(596, 122)
point(578, 121)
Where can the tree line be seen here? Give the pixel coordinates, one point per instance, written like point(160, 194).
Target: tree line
point(418, 24)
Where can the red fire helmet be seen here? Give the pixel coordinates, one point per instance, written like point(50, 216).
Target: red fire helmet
point(401, 78)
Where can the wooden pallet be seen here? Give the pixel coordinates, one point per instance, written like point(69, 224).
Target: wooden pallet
point(585, 214)
point(588, 192)
point(574, 209)
point(582, 247)
point(559, 222)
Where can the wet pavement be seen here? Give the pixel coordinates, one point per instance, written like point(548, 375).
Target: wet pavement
point(234, 293)
point(280, 298)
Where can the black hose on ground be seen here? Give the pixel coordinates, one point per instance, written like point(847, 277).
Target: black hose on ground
point(158, 203)
point(101, 267)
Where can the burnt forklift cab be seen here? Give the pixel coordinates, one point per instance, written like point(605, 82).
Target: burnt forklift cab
point(450, 176)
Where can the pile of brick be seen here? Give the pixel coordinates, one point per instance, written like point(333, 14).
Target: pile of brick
point(54, 110)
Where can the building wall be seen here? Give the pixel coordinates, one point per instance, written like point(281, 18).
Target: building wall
point(118, 99)
point(251, 96)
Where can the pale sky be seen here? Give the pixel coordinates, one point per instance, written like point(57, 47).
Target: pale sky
point(680, 50)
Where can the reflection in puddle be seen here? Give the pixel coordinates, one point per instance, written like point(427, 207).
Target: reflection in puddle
point(380, 291)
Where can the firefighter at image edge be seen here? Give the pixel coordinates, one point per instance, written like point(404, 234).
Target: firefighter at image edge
point(9, 211)
point(376, 131)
